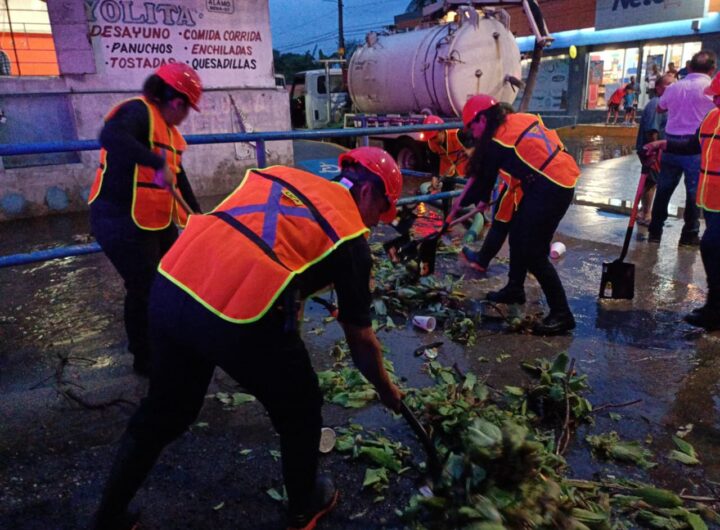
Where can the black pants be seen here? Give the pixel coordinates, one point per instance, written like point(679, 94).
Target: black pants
point(135, 254)
point(189, 341)
point(495, 237)
point(710, 251)
point(542, 208)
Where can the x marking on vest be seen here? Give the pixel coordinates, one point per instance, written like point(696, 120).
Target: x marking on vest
point(272, 210)
point(540, 134)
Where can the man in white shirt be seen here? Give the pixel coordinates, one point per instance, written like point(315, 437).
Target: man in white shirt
point(686, 105)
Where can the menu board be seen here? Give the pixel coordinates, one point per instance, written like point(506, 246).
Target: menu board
point(227, 41)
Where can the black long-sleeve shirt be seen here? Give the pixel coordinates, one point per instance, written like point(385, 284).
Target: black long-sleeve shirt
point(125, 137)
point(495, 158)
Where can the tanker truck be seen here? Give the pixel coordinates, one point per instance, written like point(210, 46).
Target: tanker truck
point(399, 78)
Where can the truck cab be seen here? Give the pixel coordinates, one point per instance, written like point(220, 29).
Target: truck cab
point(318, 99)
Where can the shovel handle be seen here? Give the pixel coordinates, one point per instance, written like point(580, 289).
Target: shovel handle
point(421, 433)
point(633, 215)
point(180, 200)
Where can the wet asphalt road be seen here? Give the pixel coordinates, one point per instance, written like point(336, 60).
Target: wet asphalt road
point(62, 320)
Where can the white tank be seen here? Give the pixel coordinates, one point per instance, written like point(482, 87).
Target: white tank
point(437, 68)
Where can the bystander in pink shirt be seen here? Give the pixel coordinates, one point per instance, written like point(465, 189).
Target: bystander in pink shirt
point(686, 104)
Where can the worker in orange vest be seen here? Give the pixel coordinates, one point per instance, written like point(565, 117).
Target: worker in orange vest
point(508, 200)
point(450, 151)
point(518, 146)
point(134, 206)
point(707, 143)
point(454, 160)
point(228, 294)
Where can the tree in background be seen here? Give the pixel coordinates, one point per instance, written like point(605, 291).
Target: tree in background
point(288, 64)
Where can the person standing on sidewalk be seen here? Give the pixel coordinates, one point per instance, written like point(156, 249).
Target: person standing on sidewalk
point(519, 146)
point(228, 294)
point(706, 143)
point(686, 105)
point(652, 128)
point(629, 104)
point(651, 80)
point(132, 213)
point(614, 105)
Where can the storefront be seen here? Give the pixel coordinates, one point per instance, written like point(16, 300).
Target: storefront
point(610, 69)
point(616, 56)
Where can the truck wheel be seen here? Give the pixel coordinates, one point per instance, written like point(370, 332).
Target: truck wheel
point(409, 155)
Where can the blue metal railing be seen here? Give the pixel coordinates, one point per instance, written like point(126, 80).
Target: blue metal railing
point(257, 138)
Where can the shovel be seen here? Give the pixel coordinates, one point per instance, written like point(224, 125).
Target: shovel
point(433, 460)
point(160, 181)
point(427, 246)
point(618, 278)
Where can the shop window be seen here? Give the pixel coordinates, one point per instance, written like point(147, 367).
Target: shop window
point(551, 88)
point(607, 71)
point(26, 41)
point(662, 55)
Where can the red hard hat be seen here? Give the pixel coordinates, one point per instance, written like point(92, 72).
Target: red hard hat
point(431, 120)
point(713, 88)
point(183, 79)
point(475, 105)
point(381, 164)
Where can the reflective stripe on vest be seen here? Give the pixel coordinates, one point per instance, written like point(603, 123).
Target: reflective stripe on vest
point(453, 158)
point(238, 259)
point(153, 208)
point(511, 200)
point(708, 192)
point(539, 147)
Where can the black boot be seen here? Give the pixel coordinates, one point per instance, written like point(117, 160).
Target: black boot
point(132, 464)
point(704, 318)
point(707, 316)
point(323, 499)
point(510, 294)
point(556, 323)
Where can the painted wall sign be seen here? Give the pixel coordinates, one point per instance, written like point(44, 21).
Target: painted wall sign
point(226, 41)
point(623, 13)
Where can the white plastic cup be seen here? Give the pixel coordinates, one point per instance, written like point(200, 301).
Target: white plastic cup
point(424, 323)
point(327, 440)
point(557, 249)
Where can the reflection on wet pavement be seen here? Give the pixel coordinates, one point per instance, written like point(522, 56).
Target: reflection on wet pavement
point(639, 349)
point(587, 150)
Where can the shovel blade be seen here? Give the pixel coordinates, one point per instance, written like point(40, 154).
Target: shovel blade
point(394, 247)
point(427, 251)
point(433, 459)
point(617, 281)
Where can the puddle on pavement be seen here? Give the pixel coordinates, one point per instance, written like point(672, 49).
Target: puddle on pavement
point(588, 149)
point(630, 350)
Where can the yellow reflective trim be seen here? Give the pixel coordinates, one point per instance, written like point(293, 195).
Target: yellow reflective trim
point(700, 200)
point(102, 179)
point(532, 166)
point(135, 174)
point(105, 163)
point(274, 297)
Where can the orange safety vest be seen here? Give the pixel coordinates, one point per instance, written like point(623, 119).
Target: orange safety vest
point(539, 147)
point(153, 208)
point(279, 221)
point(708, 191)
point(453, 158)
point(511, 200)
